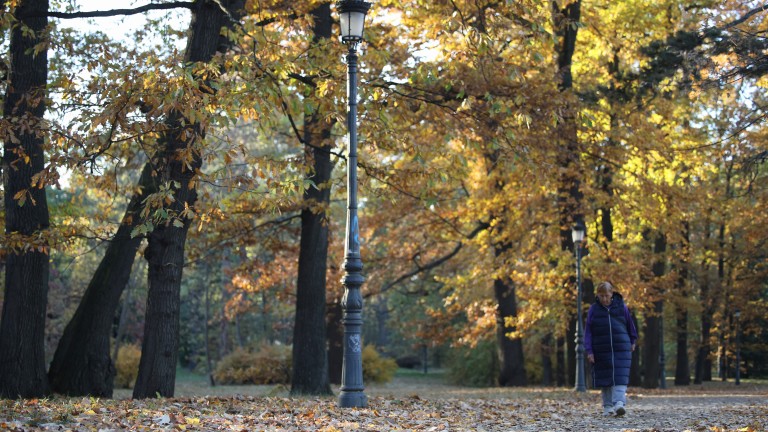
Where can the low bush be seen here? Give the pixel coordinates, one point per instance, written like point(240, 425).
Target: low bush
point(271, 364)
point(376, 368)
point(408, 362)
point(127, 366)
point(476, 366)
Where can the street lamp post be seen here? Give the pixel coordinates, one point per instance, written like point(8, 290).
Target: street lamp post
point(352, 19)
point(578, 232)
point(737, 315)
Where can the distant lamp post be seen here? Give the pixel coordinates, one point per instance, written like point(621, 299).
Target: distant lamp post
point(737, 315)
point(352, 18)
point(578, 232)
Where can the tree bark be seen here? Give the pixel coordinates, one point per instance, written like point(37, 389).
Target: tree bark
point(512, 368)
point(310, 358)
point(652, 329)
point(22, 329)
point(82, 364)
point(165, 249)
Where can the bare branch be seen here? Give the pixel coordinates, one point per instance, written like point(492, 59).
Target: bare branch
point(746, 16)
point(114, 12)
point(434, 263)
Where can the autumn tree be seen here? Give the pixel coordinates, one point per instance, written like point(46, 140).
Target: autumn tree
point(177, 164)
point(310, 360)
point(26, 245)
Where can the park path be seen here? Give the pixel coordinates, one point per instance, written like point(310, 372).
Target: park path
point(661, 413)
point(415, 403)
point(713, 407)
point(403, 405)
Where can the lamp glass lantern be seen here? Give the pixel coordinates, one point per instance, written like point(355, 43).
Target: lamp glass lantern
point(577, 232)
point(352, 18)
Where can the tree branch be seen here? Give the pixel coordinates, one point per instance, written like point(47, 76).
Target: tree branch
point(115, 12)
point(434, 263)
point(746, 16)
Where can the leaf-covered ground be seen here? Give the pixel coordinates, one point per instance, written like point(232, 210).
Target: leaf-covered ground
point(403, 407)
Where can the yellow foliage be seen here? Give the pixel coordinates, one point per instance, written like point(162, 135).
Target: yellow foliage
point(271, 364)
point(376, 368)
point(127, 365)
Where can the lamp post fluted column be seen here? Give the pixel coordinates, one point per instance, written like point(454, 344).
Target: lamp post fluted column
point(580, 384)
point(578, 233)
point(352, 303)
point(737, 315)
point(352, 14)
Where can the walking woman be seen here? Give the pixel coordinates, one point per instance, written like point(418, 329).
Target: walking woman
point(609, 341)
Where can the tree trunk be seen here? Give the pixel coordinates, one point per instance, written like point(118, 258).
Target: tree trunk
point(165, 249)
point(206, 333)
point(512, 370)
point(120, 332)
point(703, 366)
point(560, 369)
point(722, 287)
point(382, 332)
point(682, 367)
point(635, 378)
point(82, 364)
point(22, 329)
point(546, 360)
point(335, 336)
point(652, 329)
point(310, 360)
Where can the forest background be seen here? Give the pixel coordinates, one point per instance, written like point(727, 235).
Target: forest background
point(487, 129)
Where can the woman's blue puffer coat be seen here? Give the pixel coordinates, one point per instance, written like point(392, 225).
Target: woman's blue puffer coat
point(610, 344)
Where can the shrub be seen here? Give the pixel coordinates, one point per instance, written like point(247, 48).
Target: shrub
point(271, 364)
point(127, 366)
point(377, 368)
point(408, 362)
point(474, 366)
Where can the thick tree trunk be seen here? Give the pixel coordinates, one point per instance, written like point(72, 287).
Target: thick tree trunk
point(310, 359)
point(22, 329)
point(82, 364)
point(165, 249)
point(512, 370)
point(652, 329)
